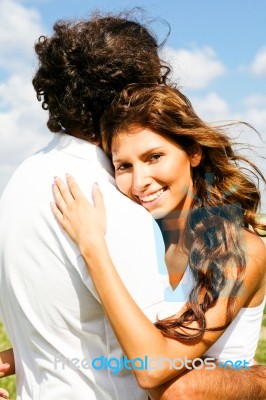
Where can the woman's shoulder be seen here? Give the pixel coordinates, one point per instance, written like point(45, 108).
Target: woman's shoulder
point(255, 250)
point(254, 245)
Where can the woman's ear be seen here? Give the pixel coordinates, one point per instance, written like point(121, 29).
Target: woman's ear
point(195, 156)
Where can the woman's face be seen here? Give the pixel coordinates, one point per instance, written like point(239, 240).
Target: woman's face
point(153, 170)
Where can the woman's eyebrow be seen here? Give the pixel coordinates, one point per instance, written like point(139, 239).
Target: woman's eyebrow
point(142, 155)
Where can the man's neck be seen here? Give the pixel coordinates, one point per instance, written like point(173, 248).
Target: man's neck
point(79, 135)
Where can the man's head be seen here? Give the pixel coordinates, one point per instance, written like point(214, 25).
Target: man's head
point(84, 64)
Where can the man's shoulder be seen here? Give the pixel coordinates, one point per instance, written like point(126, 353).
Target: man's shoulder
point(116, 202)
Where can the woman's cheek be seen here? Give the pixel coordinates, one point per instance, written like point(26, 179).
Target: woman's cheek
point(122, 184)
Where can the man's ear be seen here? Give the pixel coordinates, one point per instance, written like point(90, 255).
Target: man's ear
point(195, 156)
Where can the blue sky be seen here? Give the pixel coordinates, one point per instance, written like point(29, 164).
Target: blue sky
point(217, 50)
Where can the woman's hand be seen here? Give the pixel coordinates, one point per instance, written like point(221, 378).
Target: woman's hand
point(83, 222)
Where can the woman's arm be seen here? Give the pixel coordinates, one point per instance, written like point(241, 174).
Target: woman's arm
point(85, 224)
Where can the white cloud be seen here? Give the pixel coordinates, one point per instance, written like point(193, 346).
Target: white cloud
point(211, 108)
point(257, 118)
point(258, 66)
point(255, 100)
point(194, 68)
point(254, 112)
point(19, 29)
point(16, 92)
point(22, 121)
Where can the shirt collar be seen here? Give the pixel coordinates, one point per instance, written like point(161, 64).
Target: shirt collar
point(83, 149)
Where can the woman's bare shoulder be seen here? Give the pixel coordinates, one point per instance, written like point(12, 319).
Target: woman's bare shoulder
point(254, 244)
point(255, 250)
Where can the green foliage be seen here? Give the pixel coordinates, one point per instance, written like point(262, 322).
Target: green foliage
point(260, 356)
point(264, 317)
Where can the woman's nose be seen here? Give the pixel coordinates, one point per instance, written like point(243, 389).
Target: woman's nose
point(141, 179)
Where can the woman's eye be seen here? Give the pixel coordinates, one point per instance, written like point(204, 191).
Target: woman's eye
point(122, 167)
point(155, 157)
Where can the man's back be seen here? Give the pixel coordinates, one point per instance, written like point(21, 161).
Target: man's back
point(48, 303)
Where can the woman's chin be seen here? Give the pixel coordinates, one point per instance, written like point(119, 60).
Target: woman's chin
point(159, 213)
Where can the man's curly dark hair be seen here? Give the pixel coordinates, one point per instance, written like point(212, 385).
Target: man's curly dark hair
point(85, 63)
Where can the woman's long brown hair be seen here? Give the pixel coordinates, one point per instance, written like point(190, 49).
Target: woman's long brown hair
point(225, 199)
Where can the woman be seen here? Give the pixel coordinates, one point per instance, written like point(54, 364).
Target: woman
point(187, 175)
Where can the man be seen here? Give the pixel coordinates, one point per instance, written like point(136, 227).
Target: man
point(63, 344)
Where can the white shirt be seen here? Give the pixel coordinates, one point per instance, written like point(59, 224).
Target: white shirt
point(48, 303)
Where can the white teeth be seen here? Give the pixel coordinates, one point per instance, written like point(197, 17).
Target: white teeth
point(152, 196)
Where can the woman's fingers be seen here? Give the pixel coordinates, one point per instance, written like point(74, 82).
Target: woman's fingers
point(57, 213)
point(62, 194)
point(79, 218)
point(97, 197)
point(73, 187)
point(99, 207)
point(59, 200)
point(64, 191)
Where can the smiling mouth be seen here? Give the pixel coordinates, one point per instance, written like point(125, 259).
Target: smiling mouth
point(152, 197)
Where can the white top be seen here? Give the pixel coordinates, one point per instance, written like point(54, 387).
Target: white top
point(240, 339)
point(48, 303)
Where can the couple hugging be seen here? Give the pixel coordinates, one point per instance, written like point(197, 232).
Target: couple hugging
point(131, 257)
